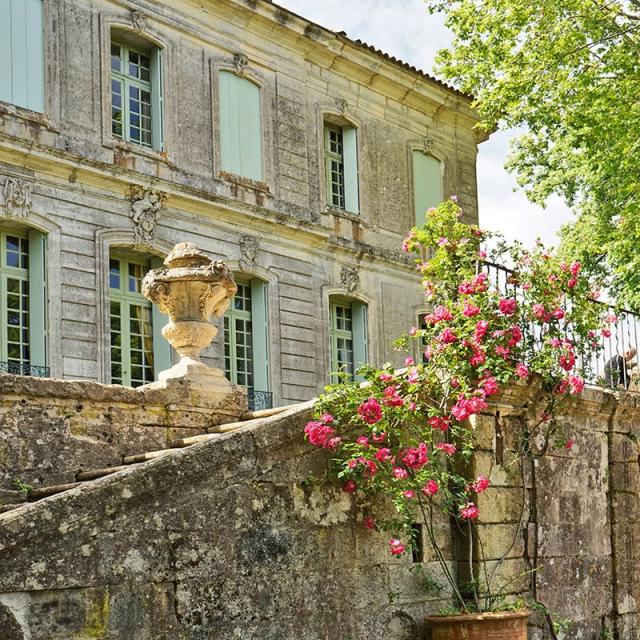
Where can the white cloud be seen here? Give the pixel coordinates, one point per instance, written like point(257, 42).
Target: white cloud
point(404, 28)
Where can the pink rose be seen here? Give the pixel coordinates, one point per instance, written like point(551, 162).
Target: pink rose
point(576, 384)
point(379, 437)
point(400, 473)
point(569, 444)
point(469, 310)
point(397, 548)
point(416, 458)
point(575, 268)
point(363, 440)
point(572, 282)
point(558, 314)
point(430, 488)
point(490, 386)
point(522, 371)
point(481, 329)
point(383, 454)
point(408, 361)
point(481, 484)
point(448, 336)
point(369, 522)
point(438, 422)
point(409, 494)
point(469, 511)
point(507, 306)
point(370, 411)
point(349, 486)
point(445, 447)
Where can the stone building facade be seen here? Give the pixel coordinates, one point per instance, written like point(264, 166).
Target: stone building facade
point(294, 153)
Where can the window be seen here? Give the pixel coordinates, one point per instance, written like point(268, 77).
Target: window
point(341, 167)
point(138, 350)
point(136, 94)
point(348, 333)
point(240, 126)
point(22, 53)
point(246, 357)
point(427, 184)
point(23, 346)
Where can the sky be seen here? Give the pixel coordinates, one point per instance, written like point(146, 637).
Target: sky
point(404, 29)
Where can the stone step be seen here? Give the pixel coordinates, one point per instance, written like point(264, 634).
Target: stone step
point(264, 413)
point(44, 492)
point(94, 474)
point(187, 442)
point(149, 455)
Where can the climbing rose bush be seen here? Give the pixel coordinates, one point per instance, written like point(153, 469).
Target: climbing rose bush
point(405, 435)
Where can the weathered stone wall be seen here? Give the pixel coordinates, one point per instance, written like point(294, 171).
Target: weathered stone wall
point(231, 539)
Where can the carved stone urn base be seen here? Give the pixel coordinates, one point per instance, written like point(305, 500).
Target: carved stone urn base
point(200, 386)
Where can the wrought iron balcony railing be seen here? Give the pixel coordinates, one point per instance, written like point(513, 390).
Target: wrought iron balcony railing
point(23, 369)
point(607, 369)
point(258, 400)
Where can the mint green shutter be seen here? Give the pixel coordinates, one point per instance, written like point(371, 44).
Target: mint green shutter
point(260, 335)
point(427, 184)
point(360, 335)
point(162, 357)
point(240, 126)
point(350, 151)
point(157, 100)
point(37, 299)
point(22, 53)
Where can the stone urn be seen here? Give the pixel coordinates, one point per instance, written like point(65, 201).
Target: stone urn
point(190, 289)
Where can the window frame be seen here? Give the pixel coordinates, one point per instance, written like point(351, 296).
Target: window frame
point(117, 27)
point(125, 298)
point(21, 274)
point(335, 334)
point(127, 82)
point(330, 157)
point(231, 315)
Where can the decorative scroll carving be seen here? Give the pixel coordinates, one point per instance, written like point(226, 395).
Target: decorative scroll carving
point(145, 205)
point(139, 20)
point(350, 278)
point(17, 197)
point(427, 143)
point(342, 106)
point(249, 249)
point(240, 63)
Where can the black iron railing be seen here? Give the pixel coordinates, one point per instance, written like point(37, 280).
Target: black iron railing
point(608, 367)
point(23, 369)
point(258, 400)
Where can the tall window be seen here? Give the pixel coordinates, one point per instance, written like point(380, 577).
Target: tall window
point(22, 303)
point(427, 184)
point(341, 167)
point(136, 94)
point(349, 336)
point(22, 53)
point(138, 350)
point(246, 358)
point(240, 126)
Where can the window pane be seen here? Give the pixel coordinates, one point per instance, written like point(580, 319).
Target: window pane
point(115, 57)
point(114, 274)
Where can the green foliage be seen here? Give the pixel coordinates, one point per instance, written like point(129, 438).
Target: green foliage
point(567, 71)
point(22, 486)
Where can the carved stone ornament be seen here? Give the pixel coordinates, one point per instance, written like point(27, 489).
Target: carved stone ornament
point(189, 289)
point(342, 105)
point(240, 63)
point(139, 20)
point(427, 143)
point(145, 205)
point(249, 249)
point(17, 197)
point(350, 278)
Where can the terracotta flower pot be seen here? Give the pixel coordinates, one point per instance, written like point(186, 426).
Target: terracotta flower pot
point(506, 625)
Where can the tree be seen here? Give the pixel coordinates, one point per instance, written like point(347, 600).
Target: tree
point(567, 71)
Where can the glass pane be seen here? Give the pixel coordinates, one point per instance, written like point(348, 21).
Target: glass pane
point(114, 276)
point(115, 57)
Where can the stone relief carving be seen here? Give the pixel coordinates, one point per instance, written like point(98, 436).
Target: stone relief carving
point(17, 197)
point(139, 20)
point(240, 63)
point(249, 249)
point(350, 278)
point(427, 143)
point(145, 205)
point(342, 105)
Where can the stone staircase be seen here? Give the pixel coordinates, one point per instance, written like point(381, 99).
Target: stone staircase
point(10, 500)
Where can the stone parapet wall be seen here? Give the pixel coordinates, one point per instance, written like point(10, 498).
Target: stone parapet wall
point(231, 539)
point(52, 429)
